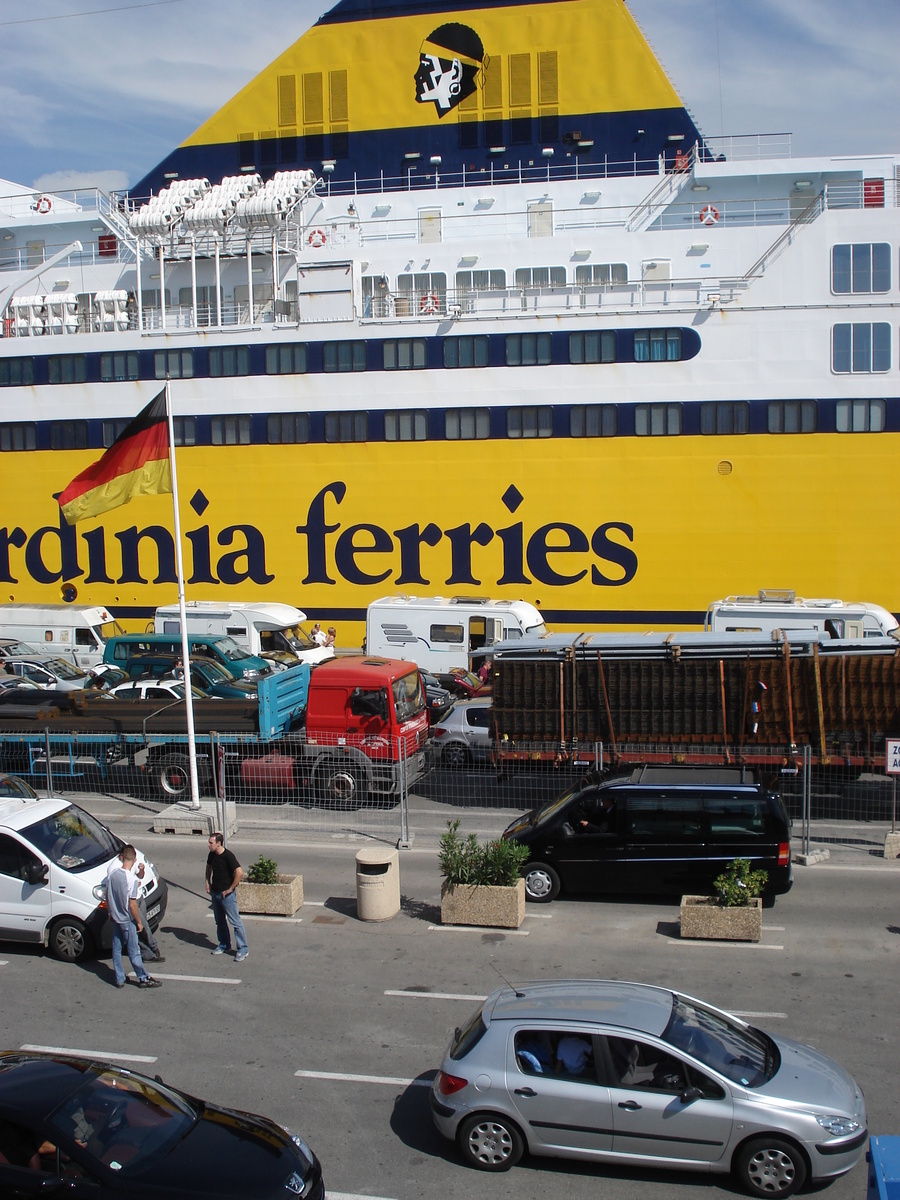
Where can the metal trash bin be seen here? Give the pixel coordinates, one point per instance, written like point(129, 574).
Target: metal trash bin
point(377, 883)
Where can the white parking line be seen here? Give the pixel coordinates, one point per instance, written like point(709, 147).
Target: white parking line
point(539, 916)
point(341, 1078)
point(434, 996)
point(722, 945)
point(104, 1054)
point(264, 917)
point(773, 1016)
point(352, 1196)
point(198, 978)
point(476, 929)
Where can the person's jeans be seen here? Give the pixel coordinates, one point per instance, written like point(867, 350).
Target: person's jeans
point(225, 910)
point(145, 937)
point(127, 935)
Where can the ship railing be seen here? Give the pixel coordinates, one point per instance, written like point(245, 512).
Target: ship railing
point(266, 311)
point(747, 147)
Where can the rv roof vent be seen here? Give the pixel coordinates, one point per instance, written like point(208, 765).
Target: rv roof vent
point(781, 595)
point(469, 600)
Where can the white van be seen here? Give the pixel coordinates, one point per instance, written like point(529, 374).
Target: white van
point(53, 862)
point(77, 632)
point(262, 628)
point(771, 610)
point(439, 633)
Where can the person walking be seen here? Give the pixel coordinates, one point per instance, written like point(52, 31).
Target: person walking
point(223, 874)
point(126, 919)
point(148, 944)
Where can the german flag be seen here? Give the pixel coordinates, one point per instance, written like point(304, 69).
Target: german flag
point(136, 464)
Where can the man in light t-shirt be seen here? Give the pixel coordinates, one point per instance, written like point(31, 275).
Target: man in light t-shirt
point(126, 919)
point(149, 946)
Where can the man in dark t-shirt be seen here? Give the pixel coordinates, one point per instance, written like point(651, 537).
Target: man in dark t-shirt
point(223, 874)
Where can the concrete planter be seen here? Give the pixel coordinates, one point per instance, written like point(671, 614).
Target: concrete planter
point(704, 917)
point(892, 847)
point(281, 899)
point(466, 904)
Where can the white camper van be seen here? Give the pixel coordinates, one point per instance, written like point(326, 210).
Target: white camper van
point(76, 632)
point(261, 628)
point(771, 610)
point(439, 633)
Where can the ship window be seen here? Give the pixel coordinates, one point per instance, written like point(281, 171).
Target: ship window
point(408, 426)
point(230, 431)
point(540, 277)
point(533, 421)
point(177, 364)
point(725, 416)
point(287, 428)
point(376, 297)
point(229, 360)
point(406, 354)
point(593, 420)
point(480, 281)
point(66, 368)
point(657, 420)
point(113, 429)
point(424, 292)
point(16, 372)
point(467, 424)
point(527, 349)
point(657, 345)
point(862, 267)
point(466, 351)
point(68, 435)
point(18, 435)
point(286, 360)
point(792, 416)
point(185, 430)
point(860, 416)
point(344, 356)
point(346, 427)
point(594, 347)
point(118, 366)
point(601, 273)
point(861, 348)
point(206, 303)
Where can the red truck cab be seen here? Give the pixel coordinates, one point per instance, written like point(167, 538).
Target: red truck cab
point(377, 704)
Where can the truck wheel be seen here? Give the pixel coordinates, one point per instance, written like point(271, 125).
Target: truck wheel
point(173, 774)
point(70, 940)
point(541, 883)
point(339, 786)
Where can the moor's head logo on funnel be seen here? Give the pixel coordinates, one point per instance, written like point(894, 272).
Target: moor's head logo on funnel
point(449, 64)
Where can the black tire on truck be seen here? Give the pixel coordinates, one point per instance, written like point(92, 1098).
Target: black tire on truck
point(339, 785)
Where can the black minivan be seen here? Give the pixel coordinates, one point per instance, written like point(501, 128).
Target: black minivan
point(656, 830)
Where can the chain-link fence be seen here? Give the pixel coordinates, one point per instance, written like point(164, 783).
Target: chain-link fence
point(373, 788)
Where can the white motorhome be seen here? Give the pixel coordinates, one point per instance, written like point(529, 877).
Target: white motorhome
point(76, 632)
point(260, 628)
point(771, 610)
point(439, 633)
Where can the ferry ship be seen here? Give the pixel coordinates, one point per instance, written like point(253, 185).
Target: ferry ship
point(457, 298)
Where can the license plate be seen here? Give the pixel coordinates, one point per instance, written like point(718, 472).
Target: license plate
point(154, 911)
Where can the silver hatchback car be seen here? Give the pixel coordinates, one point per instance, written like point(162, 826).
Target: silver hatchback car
point(639, 1075)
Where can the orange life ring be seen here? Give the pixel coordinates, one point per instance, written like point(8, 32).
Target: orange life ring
point(43, 205)
point(709, 214)
point(429, 304)
point(317, 238)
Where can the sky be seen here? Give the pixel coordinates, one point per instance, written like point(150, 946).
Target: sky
point(97, 92)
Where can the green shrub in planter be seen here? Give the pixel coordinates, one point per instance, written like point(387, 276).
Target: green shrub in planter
point(464, 861)
point(738, 884)
point(264, 870)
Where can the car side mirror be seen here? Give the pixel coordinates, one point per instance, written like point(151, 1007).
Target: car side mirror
point(689, 1095)
point(37, 873)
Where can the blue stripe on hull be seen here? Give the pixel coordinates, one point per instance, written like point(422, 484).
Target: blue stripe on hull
point(618, 149)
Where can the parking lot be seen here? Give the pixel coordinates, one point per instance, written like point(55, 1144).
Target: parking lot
point(335, 1027)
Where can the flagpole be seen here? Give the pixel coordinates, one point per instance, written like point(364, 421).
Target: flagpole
point(185, 648)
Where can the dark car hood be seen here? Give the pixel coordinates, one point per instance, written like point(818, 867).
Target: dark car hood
point(227, 1153)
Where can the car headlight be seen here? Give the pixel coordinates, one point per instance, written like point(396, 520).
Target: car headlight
point(839, 1126)
point(99, 892)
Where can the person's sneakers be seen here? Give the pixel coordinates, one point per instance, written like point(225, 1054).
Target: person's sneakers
point(150, 982)
point(120, 985)
point(159, 958)
point(241, 955)
point(220, 950)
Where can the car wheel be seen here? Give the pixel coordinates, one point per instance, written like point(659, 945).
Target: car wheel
point(455, 756)
point(489, 1142)
point(70, 940)
point(339, 787)
point(770, 1166)
point(541, 883)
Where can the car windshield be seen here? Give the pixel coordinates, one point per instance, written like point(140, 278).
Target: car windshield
point(740, 1053)
point(73, 839)
point(124, 1122)
point(229, 647)
point(295, 638)
point(11, 785)
point(63, 669)
point(11, 649)
point(408, 698)
point(213, 671)
point(550, 811)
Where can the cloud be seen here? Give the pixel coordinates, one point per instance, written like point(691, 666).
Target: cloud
point(71, 181)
